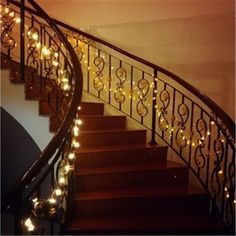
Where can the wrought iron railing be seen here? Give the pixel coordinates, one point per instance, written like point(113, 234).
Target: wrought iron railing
point(189, 122)
point(48, 65)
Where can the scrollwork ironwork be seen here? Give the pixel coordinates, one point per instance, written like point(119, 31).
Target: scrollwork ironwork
point(141, 108)
point(119, 94)
point(97, 82)
point(180, 137)
point(8, 22)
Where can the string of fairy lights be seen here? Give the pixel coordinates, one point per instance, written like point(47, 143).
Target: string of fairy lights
point(167, 122)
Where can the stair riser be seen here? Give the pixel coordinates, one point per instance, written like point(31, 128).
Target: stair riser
point(98, 123)
point(91, 109)
point(142, 206)
point(121, 157)
point(132, 179)
point(45, 109)
point(93, 139)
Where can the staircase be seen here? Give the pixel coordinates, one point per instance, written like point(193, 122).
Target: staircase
point(124, 185)
point(120, 183)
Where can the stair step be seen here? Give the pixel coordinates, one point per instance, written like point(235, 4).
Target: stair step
point(91, 108)
point(96, 122)
point(139, 175)
point(180, 224)
point(120, 155)
point(141, 201)
point(111, 137)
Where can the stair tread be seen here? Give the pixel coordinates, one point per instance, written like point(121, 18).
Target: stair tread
point(117, 148)
point(112, 131)
point(139, 192)
point(129, 168)
point(164, 222)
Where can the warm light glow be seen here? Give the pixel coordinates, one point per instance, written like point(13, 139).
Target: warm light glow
point(67, 168)
point(55, 63)
point(58, 192)
point(193, 144)
point(220, 172)
point(212, 122)
point(35, 200)
point(227, 195)
point(78, 122)
point(62, 180)
point(75, 131)
point(79, 108)
point(38, 45)
point(66, 87)
point(6, 10)
point(75, 144)
point(35, 36)
point(17, 20)
point(71, 156)
point(208, 133)
point(29, 225)
point(52, 200)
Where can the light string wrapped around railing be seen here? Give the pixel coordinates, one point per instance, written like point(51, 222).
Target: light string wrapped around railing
point(52, 208)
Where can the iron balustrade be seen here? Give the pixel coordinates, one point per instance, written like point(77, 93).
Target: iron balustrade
point(181, 116)
point(49, 67)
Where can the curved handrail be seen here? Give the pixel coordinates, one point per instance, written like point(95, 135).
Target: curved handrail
point(44, 157)
point(225, 118)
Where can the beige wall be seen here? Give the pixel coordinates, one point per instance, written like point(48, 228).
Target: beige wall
point(199, 49)
point(25, 112)
point(192, 38)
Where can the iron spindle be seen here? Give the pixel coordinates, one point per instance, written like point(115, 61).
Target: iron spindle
point(154, 103)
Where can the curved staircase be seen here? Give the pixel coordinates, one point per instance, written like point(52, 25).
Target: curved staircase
point(118, 183)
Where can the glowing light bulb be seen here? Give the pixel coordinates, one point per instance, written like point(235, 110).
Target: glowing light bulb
point(193, 144)
point(52, 200)
point(35, 200)
point(38, 45)
point(71, 156)
point(67, 168)
point(17, 20)
point(58, 192)
point(6, 10)
point(220, 172)
point(75, 131)
point(75, 144)
point(78, 122)
point(212, 122)
point(208, 133)
point(79, 108)
point(35, 36)
point(62, 180)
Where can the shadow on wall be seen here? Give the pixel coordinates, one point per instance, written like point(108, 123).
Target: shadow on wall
point(18, 151)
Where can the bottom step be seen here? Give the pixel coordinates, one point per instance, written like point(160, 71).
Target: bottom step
point(172, 224)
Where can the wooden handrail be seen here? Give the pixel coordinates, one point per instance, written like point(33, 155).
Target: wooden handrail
point(216, 109)
point(48, 152)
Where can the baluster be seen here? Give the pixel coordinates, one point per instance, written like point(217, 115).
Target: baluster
point(22, 40)
point(109, 82)
point(154, 103)
point(173, 117)
point(88, 66)
point(191, 133)
point(131, 90)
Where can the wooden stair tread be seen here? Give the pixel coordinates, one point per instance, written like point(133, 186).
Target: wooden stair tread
point(139, 192)
point(165, 223)
point(129, 168)
point(112, 131)
point(117, 148)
